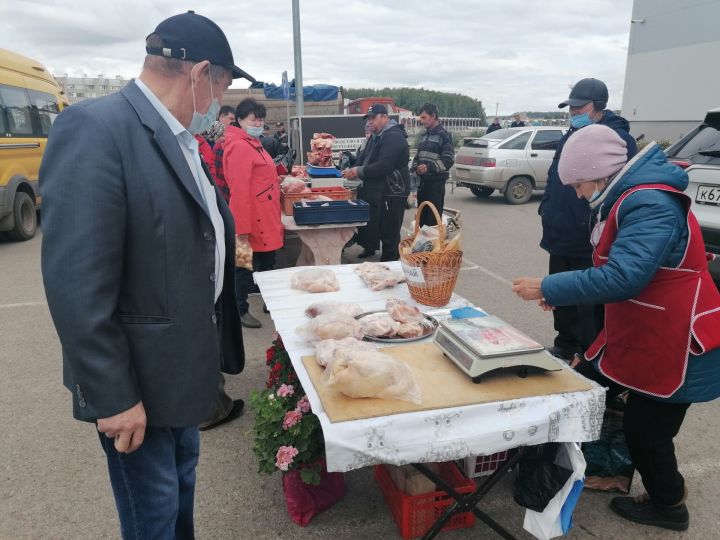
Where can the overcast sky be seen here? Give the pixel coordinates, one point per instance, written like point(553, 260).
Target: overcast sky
point(522, 54)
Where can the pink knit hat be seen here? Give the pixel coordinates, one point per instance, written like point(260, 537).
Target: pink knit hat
point(592, 153)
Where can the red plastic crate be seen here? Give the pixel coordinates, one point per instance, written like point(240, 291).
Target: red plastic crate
point(335, 193)
point(475, 466)
point(415, 514)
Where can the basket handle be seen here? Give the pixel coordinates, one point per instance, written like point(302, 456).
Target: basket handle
point(438, 219)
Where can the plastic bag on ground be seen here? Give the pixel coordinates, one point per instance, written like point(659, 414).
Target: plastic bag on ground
point(364, 374)
point(556, 519)
point(305, 501)
point(315, 280)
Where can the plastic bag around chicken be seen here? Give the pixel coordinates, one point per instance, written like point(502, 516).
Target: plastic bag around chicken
point(348, 308)
point(378, 276)
point(315, 280)
point(325, 350)
point(556, 519)
point(379, 325)
point(294, 185)
point(364, 374)
point(330, 326)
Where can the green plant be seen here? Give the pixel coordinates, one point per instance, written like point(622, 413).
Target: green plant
point(287, 434)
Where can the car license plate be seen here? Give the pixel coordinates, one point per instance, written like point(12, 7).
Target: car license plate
point(462, 173)
point(708, 195)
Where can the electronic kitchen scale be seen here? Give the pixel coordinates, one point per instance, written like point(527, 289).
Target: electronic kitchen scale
point(482, 345)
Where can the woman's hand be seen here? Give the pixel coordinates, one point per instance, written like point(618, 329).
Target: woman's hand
point(544, 305)
point(528, 288)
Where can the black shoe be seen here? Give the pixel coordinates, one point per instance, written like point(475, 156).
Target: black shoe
point(366, 253)
point(265, 309)
point(559, 352)
point(248, 321)
point(234, 413)
point(646, 512)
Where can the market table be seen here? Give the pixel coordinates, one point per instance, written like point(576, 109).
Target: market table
point(321, 244)
point(439, 435)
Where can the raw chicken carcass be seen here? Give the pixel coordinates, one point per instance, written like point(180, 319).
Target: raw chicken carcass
point(315, 280)
point(348, 308)
point(379, 325)
point(330, 326)
point(294, 185)
point(378, 276)
point(411, 330)
point(325, 350)
point(402, 311)
point(366, 374)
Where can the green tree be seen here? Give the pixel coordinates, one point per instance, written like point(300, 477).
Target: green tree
point(449, 104)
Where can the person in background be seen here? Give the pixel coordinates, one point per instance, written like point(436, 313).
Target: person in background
point(226, 116)
point(516, 121)
point(494, 126)
point(136, 271)
point(282, 137)
point(432, 163)
point(269, 142)
point(566, 220)
point(254, 189)
point(660, 338)
point(386, 182)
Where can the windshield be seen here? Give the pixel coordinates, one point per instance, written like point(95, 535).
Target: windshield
point(501, 134)
point(701, 146)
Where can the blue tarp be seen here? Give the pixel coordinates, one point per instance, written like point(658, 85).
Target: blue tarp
point(316, 92)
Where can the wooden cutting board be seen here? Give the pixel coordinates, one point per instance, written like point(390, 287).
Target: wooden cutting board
point(443, 385)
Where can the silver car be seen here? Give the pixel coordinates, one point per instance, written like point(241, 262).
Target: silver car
point(514, 161)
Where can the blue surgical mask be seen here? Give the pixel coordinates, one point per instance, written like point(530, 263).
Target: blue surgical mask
point(254, 131)
point(203, 122)
point(580, 120)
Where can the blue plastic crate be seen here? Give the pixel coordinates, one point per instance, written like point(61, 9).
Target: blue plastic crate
point(331, 212)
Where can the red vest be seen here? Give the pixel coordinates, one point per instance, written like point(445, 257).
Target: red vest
point(648, 340)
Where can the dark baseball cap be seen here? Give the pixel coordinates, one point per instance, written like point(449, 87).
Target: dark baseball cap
point(376, 109)
point(195, 38)
point(585, 91)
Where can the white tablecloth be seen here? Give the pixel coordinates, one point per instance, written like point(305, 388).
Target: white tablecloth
point(427, 436)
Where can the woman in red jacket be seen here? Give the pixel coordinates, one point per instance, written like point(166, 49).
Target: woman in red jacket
point(254, 200)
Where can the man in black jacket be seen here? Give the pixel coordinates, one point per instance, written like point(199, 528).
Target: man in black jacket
point(494, 126)
point(386, 182)
point(566, 220)
point(432, 163)
point(138, 270)
point(517, 122)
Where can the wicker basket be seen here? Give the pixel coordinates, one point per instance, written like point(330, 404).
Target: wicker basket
point(431, 277)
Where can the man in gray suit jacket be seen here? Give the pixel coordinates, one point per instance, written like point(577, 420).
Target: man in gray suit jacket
point(138, 265)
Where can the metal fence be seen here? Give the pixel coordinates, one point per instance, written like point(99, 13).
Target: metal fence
point(460, 126)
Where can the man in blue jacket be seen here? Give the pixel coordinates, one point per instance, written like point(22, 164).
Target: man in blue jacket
point(566, 220)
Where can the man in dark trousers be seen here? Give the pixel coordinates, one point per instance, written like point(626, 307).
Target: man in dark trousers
point(432, 163)
point(138, 267)
point(567, 220)
point(386, 184)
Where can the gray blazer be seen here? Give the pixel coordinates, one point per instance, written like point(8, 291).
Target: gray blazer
point(128, 257)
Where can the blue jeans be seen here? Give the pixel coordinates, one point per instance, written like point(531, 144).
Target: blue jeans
point(154, 486)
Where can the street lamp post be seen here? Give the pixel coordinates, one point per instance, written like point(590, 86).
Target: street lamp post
point(299, 102)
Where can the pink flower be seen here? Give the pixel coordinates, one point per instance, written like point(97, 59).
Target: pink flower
point(284, 457)
point(285, 390)
point(303, 405)
point(291, 418)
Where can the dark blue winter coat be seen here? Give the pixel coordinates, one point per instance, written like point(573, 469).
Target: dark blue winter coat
point(565, 218)
point(653, 232)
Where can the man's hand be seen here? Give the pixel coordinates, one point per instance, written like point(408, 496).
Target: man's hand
point(528, 288)
point(422, 169)
point(127, 428)
point(350, 173)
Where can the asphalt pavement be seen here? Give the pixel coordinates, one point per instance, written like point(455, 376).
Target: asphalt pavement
point(53, 479)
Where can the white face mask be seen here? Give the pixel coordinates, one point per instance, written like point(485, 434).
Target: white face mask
point(203, 122)
point(597, 233)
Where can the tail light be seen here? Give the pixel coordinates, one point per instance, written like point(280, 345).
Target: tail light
point(683, 164)
point(475, 161)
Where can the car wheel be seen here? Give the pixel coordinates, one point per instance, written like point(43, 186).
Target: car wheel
point(518, 190)
point(481, 191)
point(24, 218)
